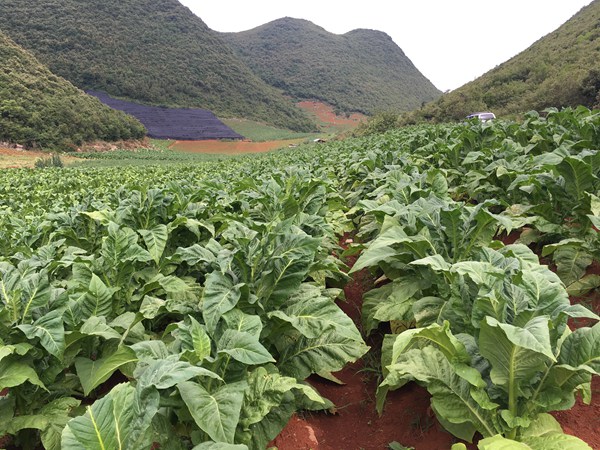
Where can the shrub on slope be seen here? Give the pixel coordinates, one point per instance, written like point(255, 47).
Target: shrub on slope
point(40, 109)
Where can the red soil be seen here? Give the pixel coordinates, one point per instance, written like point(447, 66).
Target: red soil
point(325, 113)
point(583, 420)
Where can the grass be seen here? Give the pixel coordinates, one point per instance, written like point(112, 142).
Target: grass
point(259, 132)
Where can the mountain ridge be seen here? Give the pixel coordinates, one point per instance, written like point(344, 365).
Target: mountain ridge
point(560, 69)
point(359, 71)
point(154, 52)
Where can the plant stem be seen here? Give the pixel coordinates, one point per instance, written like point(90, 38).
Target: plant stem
point(512, 404)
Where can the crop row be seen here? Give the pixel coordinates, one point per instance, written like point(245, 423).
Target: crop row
point(185, 305)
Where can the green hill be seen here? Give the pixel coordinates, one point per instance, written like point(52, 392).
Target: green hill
point(362, 71)
point(561, 69)
point(39, 109)
point(152, 51)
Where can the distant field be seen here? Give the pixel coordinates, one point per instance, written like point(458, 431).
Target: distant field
point(232, 147)
point(266, 138)
point(263, 138)
point(322, 114)
point(259, 132)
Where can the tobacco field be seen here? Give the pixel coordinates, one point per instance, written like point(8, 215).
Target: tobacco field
point(184, 305)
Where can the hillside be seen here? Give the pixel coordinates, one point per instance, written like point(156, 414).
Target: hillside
point(153, 51)
point(561, 69)
point(39, 109)
point(360, 71)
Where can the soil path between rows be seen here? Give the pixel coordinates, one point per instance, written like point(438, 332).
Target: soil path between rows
point(355, 424)
point(407, 418)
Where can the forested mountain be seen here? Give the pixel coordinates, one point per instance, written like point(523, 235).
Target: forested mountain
point(153, 51)
point(561, 69)
point(40, 109)
point(362, 70)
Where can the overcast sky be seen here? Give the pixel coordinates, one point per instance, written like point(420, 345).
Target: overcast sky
point(451, 42)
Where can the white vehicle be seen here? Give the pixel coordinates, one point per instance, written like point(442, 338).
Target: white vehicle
point(483, 116)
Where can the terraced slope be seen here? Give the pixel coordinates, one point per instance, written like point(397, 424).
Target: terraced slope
point(173, 123)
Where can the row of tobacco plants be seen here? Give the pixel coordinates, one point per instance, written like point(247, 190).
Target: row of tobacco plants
point(184, 305)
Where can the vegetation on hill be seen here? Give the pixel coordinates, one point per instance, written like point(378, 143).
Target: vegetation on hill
point(559, 70)
point(39, 109)
point(362, 71)
point(157, 52)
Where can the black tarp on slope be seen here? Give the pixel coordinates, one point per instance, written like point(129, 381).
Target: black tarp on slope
point(172, 123)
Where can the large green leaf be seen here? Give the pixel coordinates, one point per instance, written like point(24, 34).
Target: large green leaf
point(515, 353)
point(311, 314)
point(460, 407)
point(217, 413)
point(578, 361)
point(166, 373)
point(36, 293)
point(51, 420)
point(442, 338)
point(14, 371)
point(240, 321)
point(201, 343)
point(148, 350)
point(382, 248)
point(93, 373)
point(105, 425)
point(372, 256)
point(98, 299)
point(544, 295)
point(195, 254)
point(266, 389)
point(96, 326)
point(499, 442)
point(219, 446)
point(120, 247)
point(581, 349)
point(244, 347)
point(330, 352)
point(50, 331)
point(261, 433)
point(578, 176)
point(156, 241)
point(220, 295)
point(544, 433)
point(285, 269)
point(584, 285)
point(571, 258)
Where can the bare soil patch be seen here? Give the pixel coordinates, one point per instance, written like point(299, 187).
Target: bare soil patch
point(11, 158)
point(325, 114)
